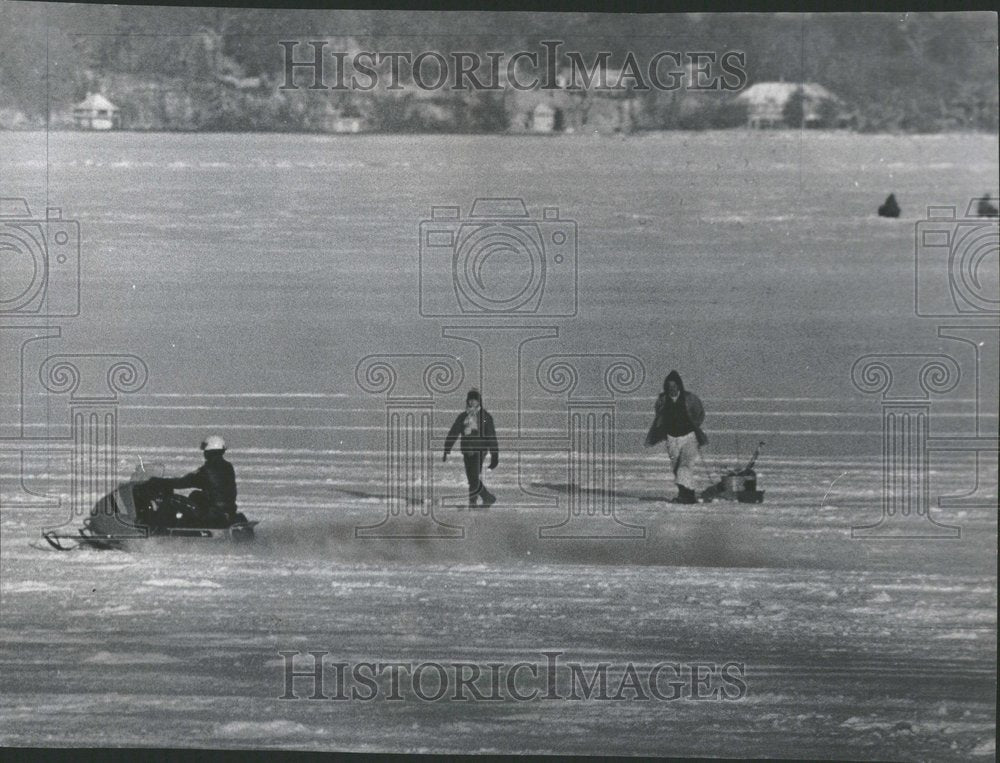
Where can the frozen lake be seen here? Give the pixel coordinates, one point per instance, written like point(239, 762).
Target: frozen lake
point(252, 273)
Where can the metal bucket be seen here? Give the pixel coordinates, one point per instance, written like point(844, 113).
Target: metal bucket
point(738, 483)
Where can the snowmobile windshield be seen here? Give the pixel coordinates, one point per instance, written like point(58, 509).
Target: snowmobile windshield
point(114, 515)
point(145, 470)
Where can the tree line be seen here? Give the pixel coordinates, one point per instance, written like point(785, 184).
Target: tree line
point(917, 72)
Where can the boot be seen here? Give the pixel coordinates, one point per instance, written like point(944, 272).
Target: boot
point(685, 495)
point(488, 498)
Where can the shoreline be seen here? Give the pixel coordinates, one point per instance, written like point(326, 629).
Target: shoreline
point(508, 134)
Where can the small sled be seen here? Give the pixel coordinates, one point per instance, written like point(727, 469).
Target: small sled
point(141, 509)
point(737, 485)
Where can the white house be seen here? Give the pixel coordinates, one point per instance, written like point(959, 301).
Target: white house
point(544, 117)
point(766, 102)
point(95, 112)
point(343, 124)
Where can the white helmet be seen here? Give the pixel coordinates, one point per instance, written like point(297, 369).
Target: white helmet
point(213, 442)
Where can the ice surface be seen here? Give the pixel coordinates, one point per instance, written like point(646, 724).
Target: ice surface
point(252, 273)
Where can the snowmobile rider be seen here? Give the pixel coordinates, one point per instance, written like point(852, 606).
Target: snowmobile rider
point(475, 426)
point(215, 480)
point(679, 416)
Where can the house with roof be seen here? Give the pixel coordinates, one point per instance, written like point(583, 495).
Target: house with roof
point(95, 112)
point(574, 106)
point(342, 118)
point(767, 102)
point(546, 118)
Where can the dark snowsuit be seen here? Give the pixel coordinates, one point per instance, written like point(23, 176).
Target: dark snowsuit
point(676, 421)
point(215, 480)
point(481, 438)
point(668, 418)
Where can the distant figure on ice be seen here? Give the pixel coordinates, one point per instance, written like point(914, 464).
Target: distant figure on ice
point(679, 416)
point(475, 426)
point(985, 209)
point(890, 208)
point(215, 480)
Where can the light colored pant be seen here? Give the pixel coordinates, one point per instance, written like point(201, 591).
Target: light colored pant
point(684, 454)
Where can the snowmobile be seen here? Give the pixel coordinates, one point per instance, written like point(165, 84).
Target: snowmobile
point(142, 508)
point(737, 484)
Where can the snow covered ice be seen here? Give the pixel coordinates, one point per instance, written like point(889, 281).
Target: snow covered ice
point(308, 246)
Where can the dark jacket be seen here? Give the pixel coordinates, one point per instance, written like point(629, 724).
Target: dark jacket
point(215, 478)
point(695, 411)
point(485, 441)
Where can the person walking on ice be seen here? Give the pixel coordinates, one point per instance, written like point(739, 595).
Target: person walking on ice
point(475, 426)
point(679, 417)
